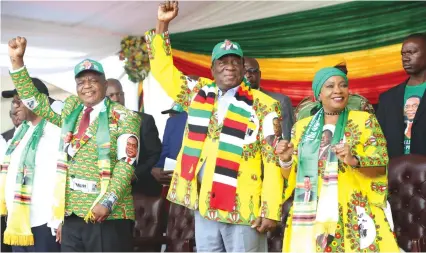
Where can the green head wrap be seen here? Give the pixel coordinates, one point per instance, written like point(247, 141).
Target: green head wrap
point(322, 75)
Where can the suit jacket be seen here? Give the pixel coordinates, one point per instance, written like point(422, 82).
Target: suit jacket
point(286, 112)
point(301, 197)
point(390, 115)
point(83, 167)
point(150, 149)
point(172, 138)
point(255, 197)
point(8, 134)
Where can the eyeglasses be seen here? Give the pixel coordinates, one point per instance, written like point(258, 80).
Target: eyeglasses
point(252, 70)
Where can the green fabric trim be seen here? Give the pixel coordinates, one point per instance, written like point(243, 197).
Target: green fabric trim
point(336, 29)
point(192, 151)
point(230, 148)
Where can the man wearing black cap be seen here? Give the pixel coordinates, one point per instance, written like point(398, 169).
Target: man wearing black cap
point(30, 170)
point(172, 142)
point(92, 196)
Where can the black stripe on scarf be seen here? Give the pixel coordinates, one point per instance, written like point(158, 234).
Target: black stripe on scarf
point(197, 129)
point(233, 132)
point(244, 98)
point(226, 172)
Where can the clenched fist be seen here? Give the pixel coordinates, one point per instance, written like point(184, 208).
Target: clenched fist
point(284, 150)
point(167, 11)
point(344, 154)
point(17, 48)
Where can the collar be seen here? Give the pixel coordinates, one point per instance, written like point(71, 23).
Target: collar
point(98, 106)
point(230, 91)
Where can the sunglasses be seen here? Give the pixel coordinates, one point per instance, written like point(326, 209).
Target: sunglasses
point(252, 70)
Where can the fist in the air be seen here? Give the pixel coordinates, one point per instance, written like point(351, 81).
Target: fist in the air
point(167, 11)
point(17, 47)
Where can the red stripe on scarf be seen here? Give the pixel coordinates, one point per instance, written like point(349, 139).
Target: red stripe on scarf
point(22, 198)
point(202, 100)
point(196, 136)
point(218, 199)
point(235, 124)
point(227, 164)
point(246, 93)
point(187, 163)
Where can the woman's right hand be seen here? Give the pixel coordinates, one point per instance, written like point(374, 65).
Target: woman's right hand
point(284, 150)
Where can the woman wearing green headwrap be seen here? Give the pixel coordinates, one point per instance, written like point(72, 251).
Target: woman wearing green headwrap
point(335, 165)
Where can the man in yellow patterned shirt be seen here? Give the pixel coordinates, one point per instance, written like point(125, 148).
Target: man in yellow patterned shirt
point(218, 171)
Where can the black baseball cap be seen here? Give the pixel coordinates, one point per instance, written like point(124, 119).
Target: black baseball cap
point(41, 87)
point(176, 109)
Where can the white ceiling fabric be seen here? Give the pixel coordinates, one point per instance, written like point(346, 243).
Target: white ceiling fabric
point(94, 29)
point(75, 30)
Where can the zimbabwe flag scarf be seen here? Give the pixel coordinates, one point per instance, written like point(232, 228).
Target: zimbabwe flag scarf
point(230, 141)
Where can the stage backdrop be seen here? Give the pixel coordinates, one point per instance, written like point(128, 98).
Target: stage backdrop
point(367, 34)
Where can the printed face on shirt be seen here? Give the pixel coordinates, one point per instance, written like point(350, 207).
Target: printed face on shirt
point(132, 147)
point(68, 137)
point(277, 127)
point(411, 106)
point(307, 183)
point(326, 138)
point(91, 87)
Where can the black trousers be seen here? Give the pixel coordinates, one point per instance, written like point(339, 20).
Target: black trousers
point(108, 236)
point(4, 247)
point(44, 241)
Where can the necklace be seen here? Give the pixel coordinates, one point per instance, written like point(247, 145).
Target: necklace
point(332, 113)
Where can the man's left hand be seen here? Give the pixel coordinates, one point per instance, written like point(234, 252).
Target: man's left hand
point(264, 225)
point(100, 212)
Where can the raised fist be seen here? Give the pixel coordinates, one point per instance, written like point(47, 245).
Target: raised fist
point(167, 11)
point(284, 150)
point(17, 47)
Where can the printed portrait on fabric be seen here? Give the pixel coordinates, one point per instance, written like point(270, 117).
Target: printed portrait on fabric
point(367, 228)
point(69, 145)
point(325, 145)
point(410, 109)
point(128, 148)
point(307, 194)
point(252, 128)
point(272, 130)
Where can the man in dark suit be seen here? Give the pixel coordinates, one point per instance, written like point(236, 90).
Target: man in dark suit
point(253, 75)
point(401, 116)
point(150, 146)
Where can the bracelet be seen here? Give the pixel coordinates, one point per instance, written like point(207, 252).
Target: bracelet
point(286, 165)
